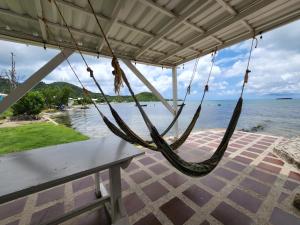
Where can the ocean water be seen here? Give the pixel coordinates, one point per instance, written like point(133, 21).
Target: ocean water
point(276, 117)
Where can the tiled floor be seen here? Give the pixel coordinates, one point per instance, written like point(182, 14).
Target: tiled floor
point(251, 185)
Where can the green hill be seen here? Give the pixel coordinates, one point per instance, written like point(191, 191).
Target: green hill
point(76, 92)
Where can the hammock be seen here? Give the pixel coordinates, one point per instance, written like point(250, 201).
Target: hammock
point(189, 168)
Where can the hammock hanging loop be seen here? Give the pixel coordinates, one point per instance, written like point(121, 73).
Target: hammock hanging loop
point(90, 71)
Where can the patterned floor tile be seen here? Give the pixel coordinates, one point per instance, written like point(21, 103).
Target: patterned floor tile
point(255, 186)
point(245, 200)
point(175, 179)
point(197, 195)
point(12, 208)
point(227, 174)
point(50, 195)
point(262, 176)
point(133, 203)
point(150, 219)
point(228, 215)
point(158, 168)
point(213, 182)
point(82, 183)
point(140, 177)
point(280, 217)
point(47, 214)
point(155, 190)
point(177, 211)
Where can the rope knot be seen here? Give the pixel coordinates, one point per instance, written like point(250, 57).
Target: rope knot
point(206, 88)
point(90, 71)
point(246, 77)
point(189, 89)
point(118, 73)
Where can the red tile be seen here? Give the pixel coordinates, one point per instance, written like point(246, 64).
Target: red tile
point(235, 166)
point(228, 215)
point(85, 198)
point(197, 195)
point(147, 161)
point(230, 149)
point(255, 186)
point(133, 203)
point(132, 166)
point(175, 179)
point(242, 142)
point(250, 154)
point(236, 146)
point(12, 208)
point(261, 147)
point(47, 214)
point(155, 190)
point(177, 211)
point(251, 149)
point(150, 219)
point(140, 177)
point(243, 159)
point(262, 176)
point(294, 175)
point(274, 161)
point(51, 195)
point(280, 217)
point(82, 183)
point(270, 168)
point(290, 185)
point(213, 182)
point(158, 168)
point(227, 174)
point(96, 216)
point(245, 200)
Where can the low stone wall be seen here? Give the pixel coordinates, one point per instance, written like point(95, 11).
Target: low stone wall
point(289, 150)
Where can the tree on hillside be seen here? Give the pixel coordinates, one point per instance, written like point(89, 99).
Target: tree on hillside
point(56, 97)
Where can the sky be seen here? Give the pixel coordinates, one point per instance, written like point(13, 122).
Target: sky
point(275, 69)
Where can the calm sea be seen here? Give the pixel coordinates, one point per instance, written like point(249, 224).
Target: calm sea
point(276, 117)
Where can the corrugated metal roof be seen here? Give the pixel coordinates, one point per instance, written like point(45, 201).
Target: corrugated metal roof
point(161, 32)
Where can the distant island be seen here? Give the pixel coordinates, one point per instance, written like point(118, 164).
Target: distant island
point(76, 92)
point(283, 98)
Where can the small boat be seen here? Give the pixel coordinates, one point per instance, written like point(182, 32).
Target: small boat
point(143, 105)
point(219, 104)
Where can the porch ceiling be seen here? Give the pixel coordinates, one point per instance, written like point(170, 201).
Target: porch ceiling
point(162, 32)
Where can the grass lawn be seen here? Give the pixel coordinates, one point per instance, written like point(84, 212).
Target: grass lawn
point(35, 135)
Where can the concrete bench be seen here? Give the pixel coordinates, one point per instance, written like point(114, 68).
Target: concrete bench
point(32, 171)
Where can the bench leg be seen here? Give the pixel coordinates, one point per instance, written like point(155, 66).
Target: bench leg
point(118, 212)
point(97, 185)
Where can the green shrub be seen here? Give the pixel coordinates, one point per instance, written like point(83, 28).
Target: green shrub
point(31, 104)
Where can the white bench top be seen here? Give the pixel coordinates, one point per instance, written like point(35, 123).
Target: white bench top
point(31, 171)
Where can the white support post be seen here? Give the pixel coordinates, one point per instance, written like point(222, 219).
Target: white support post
point(33, 80)
point(175, 103)
point(148, 84)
